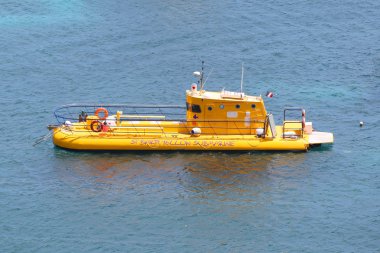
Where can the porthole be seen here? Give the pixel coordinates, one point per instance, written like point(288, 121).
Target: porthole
point(253, 106)
point(209, 108)
point(237, 106)
point(221, 106)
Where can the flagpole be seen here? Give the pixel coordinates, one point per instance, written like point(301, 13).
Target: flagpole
point(242, 78)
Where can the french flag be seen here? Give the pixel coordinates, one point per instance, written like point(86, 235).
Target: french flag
point(269, 94)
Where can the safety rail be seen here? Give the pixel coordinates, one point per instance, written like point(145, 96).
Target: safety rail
point(71, 112)
point(286, 130)
point(183, 127)
point(157, 118)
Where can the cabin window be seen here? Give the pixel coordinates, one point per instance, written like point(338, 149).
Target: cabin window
point(195, 108)
point(237, 106)
point(187, 106)
point(221, 106)
point(209, 108)
point(253, 106)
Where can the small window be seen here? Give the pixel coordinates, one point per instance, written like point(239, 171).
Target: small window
point(195, 108)
point(253, 106)
point(187, 106)
point(237, 106)
point(209, 108)
point(221, 106)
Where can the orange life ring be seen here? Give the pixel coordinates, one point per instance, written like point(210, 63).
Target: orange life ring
point(96, 126)
point(101, 110)
point(303, 118)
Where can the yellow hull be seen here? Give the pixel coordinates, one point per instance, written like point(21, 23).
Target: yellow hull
point(87, 140)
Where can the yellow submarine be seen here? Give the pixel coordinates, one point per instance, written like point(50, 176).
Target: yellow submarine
point(221, 120)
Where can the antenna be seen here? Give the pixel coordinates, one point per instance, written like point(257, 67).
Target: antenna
point(201, 78)
point(242, 77)
point(207, 77)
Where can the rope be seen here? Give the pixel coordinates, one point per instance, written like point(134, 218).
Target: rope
point(43, 138)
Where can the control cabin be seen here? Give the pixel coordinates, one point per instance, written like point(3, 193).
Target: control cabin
point(225, 112)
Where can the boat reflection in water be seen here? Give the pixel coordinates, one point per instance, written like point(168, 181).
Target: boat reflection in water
point(198, 175)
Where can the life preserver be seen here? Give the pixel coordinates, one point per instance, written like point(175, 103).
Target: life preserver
point(303, 118)
point(96, 126)
point(101, 110)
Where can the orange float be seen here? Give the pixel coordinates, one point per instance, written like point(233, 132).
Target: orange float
point(101, 110)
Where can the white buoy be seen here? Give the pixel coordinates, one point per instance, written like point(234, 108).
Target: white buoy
point(361, 123)
point(196, 131)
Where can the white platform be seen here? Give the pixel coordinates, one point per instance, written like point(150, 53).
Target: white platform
point(320, 137)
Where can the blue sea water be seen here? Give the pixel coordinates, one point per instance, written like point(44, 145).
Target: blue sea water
point(321, 55)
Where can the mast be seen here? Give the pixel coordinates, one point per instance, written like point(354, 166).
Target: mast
point(201, 78)
point(242, 78)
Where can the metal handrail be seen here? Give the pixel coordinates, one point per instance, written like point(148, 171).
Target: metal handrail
point(292, 121)
point(134, 128)
point(71, 112)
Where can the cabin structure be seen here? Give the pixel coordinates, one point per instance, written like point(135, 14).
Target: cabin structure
point(225, 112)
